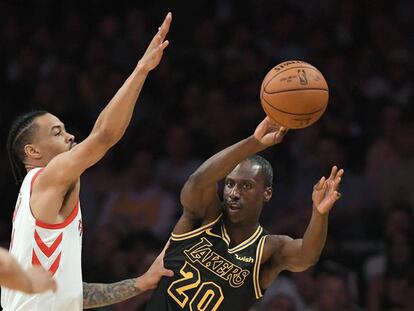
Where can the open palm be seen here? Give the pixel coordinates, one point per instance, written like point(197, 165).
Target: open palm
point(325, 192)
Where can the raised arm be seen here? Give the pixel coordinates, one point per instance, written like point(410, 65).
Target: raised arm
point(33, 280)
point(199, 195)
point(112, 121)
point(64, 169)
point(99, 295)
point(299, 254)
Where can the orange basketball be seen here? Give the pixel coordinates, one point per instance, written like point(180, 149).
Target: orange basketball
point(294, 94)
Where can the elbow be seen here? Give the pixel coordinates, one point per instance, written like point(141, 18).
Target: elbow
point(194, 181)
point(307, 263)
point(310, 262)
point(303, 266)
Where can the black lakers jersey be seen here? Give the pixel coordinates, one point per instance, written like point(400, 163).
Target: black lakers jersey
point(208, 275)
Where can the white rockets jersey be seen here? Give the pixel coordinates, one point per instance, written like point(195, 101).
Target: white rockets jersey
point(56, 247)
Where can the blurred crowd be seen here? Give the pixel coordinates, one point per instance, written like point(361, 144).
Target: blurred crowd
point(70, 59)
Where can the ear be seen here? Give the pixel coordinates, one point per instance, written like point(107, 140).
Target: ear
point(31, 152)
point(268, 194)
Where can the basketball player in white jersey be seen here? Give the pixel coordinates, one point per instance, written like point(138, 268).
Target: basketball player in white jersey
point(47, 223)
point(31, 281)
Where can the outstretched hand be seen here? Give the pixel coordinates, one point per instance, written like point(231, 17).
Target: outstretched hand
point(269, 133)
point(154, 52)
point(325, 192)
point(150, 279)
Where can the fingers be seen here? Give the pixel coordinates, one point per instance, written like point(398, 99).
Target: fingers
point(320, 183)
point(165, 27)
point(337, 195)
point(158, 40)
point(168, 273)
point(161, 255)
point(164, 45)
point(280, 133)
point(166, 246)
point(334, 170)
point(260, 129)
point(338, 179)
point(283, 130)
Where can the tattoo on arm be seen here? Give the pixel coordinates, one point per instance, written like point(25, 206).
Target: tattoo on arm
point(98, 295)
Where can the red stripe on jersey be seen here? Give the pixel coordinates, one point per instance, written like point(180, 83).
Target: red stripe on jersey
point(34, 178)
point(48, 250)
point(35, 260)
point(53, 268)
point(55, 265)
point(62, 225)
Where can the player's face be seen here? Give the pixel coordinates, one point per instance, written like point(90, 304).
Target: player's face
point(245, 193)
point(51, 137)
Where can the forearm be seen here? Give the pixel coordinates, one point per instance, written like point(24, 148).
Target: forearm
point(221, 164)
point(98, 295)
point(115, 118)
point(315, 237)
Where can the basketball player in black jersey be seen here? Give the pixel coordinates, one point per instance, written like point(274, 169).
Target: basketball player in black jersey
point(221, 257)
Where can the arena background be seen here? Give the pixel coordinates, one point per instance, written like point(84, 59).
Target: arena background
point(70, 58)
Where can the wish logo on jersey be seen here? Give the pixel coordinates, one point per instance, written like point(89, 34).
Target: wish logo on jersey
point(203, 254)
point(244, 258)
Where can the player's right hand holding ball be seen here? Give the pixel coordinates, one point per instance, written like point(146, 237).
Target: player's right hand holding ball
point(269, 132)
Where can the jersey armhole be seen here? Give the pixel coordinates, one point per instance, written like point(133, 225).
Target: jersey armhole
point(34, 178)
point(256, 269)
point(45, 225)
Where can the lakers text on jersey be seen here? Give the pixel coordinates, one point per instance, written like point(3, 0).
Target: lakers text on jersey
point(208, 274)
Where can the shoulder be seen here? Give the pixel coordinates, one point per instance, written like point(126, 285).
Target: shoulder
point(274, 245)
point(274, 241)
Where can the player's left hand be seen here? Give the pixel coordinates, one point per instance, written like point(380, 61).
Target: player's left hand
point(325, 192)
point(150, 279)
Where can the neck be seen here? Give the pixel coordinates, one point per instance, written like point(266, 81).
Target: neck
point(238, 232)
point(32, 165)
point(29, 167)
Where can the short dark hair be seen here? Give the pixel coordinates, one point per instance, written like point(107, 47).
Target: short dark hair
point(267, 170)
point(21, 133)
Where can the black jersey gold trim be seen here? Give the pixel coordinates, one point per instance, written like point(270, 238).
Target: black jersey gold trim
point(207, 276)
point(191, 234)
point(256, 269)
point(246, 243)
point(209, 232)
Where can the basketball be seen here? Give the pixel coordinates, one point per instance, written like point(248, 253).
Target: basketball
point(294, 94)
